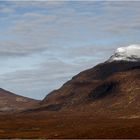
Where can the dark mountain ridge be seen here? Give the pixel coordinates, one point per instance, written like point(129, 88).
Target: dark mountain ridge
point(105, 89)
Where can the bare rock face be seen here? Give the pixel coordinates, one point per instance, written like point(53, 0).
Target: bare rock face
point(10, 102)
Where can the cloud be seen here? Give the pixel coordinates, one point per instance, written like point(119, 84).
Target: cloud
point(54, 40)
point(6, 10)
point(39, 30)
point(40, 81)
point(11, 48)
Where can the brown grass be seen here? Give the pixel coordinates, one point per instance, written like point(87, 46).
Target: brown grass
point(67, 126)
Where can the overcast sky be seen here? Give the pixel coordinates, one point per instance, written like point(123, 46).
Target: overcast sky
point(43, 44)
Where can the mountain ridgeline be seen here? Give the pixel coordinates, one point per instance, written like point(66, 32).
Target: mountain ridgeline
point(106, 88)
point(112, 87)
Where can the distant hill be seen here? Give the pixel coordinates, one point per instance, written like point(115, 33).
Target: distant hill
point(10, 102)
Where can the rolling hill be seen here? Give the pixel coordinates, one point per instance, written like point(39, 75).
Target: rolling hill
point(10, 102)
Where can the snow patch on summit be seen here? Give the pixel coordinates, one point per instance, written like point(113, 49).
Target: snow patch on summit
point(129, 53)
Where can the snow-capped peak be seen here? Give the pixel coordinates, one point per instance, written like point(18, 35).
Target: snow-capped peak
point(129, 53)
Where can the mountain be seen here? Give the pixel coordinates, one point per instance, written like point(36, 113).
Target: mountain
point(10, 102)
point(111, 87)
point(101, 102)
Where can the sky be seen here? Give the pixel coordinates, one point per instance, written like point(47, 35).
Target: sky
point(43, 44)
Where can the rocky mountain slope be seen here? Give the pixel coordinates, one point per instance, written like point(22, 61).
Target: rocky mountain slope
point(106, 88)
point(112, 87)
